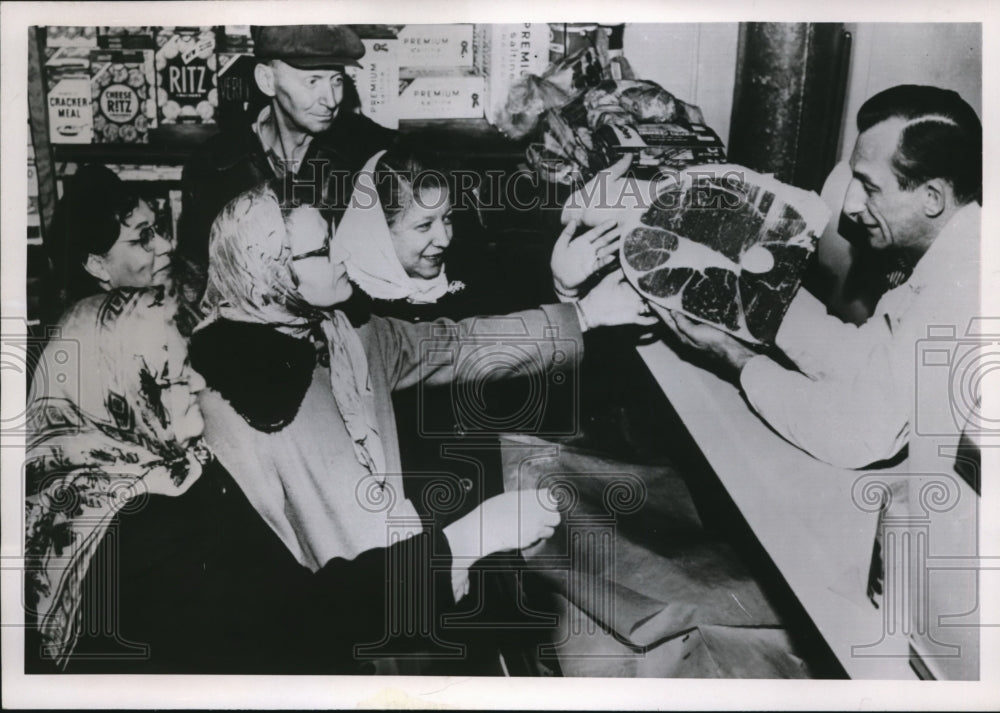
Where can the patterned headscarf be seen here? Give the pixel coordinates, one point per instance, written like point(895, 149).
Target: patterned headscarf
point(250, 280)
point(373, 264)
point(100, 438)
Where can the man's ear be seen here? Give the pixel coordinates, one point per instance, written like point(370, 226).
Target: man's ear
point(263, 73)
point(935, 195)
point(97, 269)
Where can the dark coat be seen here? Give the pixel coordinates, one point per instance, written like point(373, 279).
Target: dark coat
point(202, 584)
point(234, 161)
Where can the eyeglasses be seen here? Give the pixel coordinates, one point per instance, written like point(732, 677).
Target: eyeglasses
point(146, 237)
point(318, 252)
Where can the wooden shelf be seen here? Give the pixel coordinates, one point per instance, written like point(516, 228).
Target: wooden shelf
point(168, 146)
point(171, 145)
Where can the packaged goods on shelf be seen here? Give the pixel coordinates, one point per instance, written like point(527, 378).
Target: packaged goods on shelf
point(123, 98)
point(185, 66)
point(125, 37)
point(70, 36)
point(237, 38)
point(422, 46)
point(33, 218)
point(428, 94)
point(238, 93)
point(565, 38)
point(67, 75)
point(660, 145)
point(505, 53)
point(377, 80)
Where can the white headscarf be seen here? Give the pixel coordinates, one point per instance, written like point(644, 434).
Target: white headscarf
point(373, 265)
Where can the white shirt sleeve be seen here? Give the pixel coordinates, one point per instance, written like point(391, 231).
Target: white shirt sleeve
point(849, 420)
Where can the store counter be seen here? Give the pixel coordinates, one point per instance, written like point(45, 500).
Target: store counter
point(815, 521)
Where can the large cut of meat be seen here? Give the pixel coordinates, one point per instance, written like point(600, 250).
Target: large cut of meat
point(727, 246)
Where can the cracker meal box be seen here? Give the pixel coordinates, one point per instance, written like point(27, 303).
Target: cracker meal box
point(440, 94)
point(185, 69)
point(65, 36)
point(67, 78)
point(122, 88)
point(422, 46)
point(505, 53)
point(377, 80)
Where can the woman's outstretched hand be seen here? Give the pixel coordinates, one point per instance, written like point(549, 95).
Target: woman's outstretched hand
point(576, 259)
point(614, 302)
point(510, 521)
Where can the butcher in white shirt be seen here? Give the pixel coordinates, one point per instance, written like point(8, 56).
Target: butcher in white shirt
point(916, 189)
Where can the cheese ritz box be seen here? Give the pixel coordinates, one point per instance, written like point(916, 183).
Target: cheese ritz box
point(122, 90)
point(430, 94)
point(186, 70)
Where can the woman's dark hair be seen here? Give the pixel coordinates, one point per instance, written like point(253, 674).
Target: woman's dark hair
point(402, 169)
point(943, 137)
point(87, 221)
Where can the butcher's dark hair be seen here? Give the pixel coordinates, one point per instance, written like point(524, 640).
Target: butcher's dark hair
point(943, 137)
point(88, 220)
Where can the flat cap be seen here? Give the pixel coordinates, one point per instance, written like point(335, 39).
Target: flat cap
point(308, 46)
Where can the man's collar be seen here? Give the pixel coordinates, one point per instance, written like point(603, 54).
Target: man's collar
point(959, 236)
point(268, 133)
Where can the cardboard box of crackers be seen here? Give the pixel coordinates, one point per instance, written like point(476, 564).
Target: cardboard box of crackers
point(186, 73)
point(377, 80)
point(440, 94)
point(70, 36)
point(123, 97)
point(67, 78)
point(422, 46)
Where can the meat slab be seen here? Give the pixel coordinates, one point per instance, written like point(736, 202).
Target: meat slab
point(726, 246)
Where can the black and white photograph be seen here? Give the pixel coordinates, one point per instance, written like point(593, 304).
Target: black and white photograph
point(375, 355)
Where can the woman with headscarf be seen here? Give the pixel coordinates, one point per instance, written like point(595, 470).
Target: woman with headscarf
point(398, 233)
point(405, 240)
point(299, 406)
point(145, 556)
point(105, 236)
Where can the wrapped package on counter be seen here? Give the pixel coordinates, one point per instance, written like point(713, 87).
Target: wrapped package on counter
point(186, 68)
point(123, 98)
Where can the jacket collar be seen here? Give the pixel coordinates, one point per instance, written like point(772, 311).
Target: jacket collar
point(262, 373)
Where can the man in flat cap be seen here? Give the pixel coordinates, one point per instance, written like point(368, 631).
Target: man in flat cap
point(306, 135)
